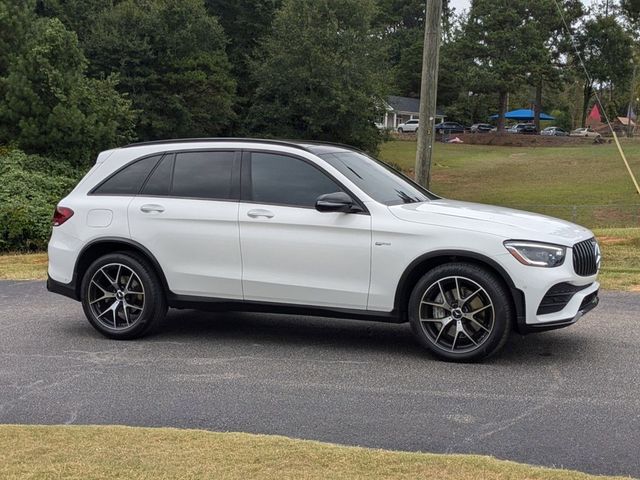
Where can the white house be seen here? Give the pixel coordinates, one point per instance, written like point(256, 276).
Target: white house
point(400, 109)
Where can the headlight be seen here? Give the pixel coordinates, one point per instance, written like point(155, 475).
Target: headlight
point(536, 254)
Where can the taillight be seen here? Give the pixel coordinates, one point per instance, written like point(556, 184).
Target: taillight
point(61, 215)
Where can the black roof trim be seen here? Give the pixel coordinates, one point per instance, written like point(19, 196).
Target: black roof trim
point(308, 144)
point(221, 139)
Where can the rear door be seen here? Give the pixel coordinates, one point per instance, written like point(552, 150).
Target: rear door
point(291, 252)
point(187, 216)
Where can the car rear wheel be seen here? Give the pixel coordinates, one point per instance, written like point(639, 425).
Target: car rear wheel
point(460, 312)
point(122, 296)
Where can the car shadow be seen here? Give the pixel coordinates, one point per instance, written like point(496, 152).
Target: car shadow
point(340, 334)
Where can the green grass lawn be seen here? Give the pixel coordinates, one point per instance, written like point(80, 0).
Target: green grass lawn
point(105, 452)
point(587, 184)
point(23, 266)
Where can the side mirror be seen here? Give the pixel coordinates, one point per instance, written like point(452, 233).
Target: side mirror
point(336, 202)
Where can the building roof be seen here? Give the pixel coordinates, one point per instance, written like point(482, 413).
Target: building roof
point(406, 104)
point(625, 121)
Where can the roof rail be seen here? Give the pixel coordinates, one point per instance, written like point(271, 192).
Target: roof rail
point(331, 144)
point(220, 139)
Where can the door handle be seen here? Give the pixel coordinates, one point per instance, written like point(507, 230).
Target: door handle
point(260, 212)
point(152, 208)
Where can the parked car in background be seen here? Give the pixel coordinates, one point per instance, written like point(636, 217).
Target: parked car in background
point(523, 129)
point(480, 128)
point(409, 126)
point(312, 229)
point(585, 132)
point(449, 127)
point(554, 132)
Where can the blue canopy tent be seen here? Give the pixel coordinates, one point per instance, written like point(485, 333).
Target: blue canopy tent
point(523, 114)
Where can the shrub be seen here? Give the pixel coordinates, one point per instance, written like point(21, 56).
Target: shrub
point(30, 187)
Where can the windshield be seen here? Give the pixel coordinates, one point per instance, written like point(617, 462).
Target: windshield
point(377, 180)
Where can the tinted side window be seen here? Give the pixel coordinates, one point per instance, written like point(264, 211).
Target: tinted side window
point(287, 181)
point(378, 182)
point(159, 182)
point(129, 180)
point(203, 175)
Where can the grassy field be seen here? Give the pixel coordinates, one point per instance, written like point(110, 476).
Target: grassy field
point(586, 184)
point(102, 452)
point(31, 266)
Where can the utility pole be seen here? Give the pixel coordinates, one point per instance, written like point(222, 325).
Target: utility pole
point(428, 90)
point(632, 97)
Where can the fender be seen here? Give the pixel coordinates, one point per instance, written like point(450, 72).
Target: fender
point(437, 257)
point(126, 242)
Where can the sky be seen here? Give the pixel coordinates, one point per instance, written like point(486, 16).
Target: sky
point(460, 5)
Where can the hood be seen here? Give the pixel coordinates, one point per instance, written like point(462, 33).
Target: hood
point(504, 222)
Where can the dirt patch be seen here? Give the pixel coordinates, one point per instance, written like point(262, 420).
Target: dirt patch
point(612, 240)
point(508, 139)
point(517, 140)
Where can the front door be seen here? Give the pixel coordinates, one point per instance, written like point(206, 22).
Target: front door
point(292, 253)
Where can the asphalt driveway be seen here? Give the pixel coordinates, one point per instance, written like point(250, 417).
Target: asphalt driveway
point(568, 398)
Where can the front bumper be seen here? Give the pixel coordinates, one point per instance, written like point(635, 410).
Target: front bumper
point(576, 296)
point(589, 302)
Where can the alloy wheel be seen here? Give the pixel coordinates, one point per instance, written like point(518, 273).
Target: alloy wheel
point(457, 314)
point(116, 296)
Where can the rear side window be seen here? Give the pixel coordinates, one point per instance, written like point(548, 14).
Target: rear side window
point(283, 180)
point(129, 180)
point(203, 175)
point(159, 182)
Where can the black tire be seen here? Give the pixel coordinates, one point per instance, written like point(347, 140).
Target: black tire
point(471, 343)
point(400, 130)
point(139, 295)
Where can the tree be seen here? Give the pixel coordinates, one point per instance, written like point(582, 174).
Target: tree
point(15, 18)
point(51, 107)
point(245, 22)
point(631, 9)
point(318, 78)
point(170, 58)
point(552, 44)
point(79, 16)
point(497, 49)
point(605, 48)
point(402, 25)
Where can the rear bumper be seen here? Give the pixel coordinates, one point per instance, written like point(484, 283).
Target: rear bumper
point(66, 289)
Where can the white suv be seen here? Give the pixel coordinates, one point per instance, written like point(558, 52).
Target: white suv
point(309, 228)
point(409, 126)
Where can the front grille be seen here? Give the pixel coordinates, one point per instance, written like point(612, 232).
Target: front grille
point(585, 261)
point(557, 297)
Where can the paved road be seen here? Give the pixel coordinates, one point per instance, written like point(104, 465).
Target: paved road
point(567, 398)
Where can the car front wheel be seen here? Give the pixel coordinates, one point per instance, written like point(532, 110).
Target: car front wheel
point(460, 312)
point(122, 296)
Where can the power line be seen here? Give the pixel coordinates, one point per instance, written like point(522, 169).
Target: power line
point(602, 110)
